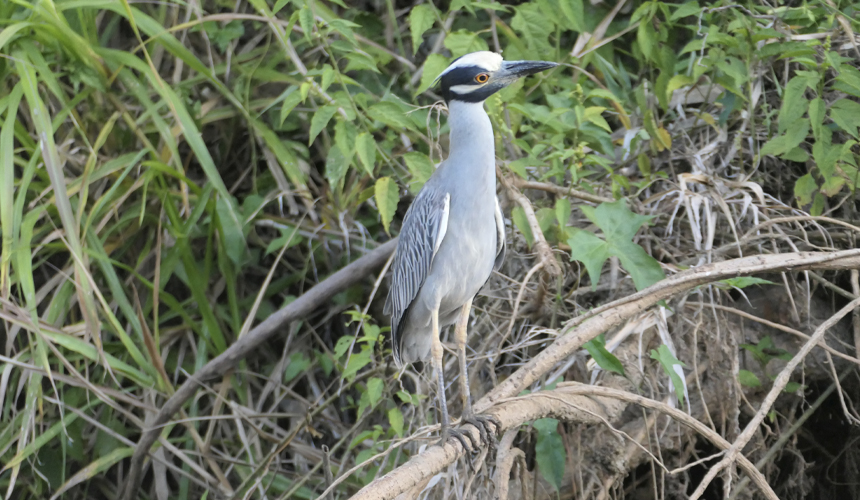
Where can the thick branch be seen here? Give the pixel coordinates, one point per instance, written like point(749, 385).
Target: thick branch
point(571, 402)
point(584, 328)
point(298, 309)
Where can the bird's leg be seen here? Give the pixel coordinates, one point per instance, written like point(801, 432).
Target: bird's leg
point(436, 351)
point(480, 422)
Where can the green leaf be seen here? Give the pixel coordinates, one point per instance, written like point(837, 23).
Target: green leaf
point(230, 228)
point(336, 165)
point(745, 281)
point(562, 211)
point(748, 379)
point(390, 114)
point(846, 114)
point(518, 215)
point(590, 250)
point(374, 390)
point(795, 134)
point(343, 344)
point(387, 197)
point(604, 359)
point(619, 226)
point(463, 42)
point(793, 387)
point(793, 103)
point(420, 166)
point(395, 420)
point(365, 146)
point(357, 361)
point(320, 120)
point(299, 363)
point(804, 189)
point(293, 98)
point(433, 66)
point(686, 9)
point(306, 21)
point(287, 237)
point(534, 26)
point(673, 369)
point(574, 13)
point(421, 19)
point(550, 453)
point(816, 117)
point(345, 136)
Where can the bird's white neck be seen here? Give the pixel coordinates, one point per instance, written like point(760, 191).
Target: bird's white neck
point(472, 142)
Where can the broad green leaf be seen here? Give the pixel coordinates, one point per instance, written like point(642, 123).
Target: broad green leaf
point(390, 114)
point(782, 144)
point(421, 19)
point(619, 226)
point(345, 136)
point(643, 269)
point(374, 390)
point(343, 344)
point(463, 42)
point(357, 361)
point(604, 359)
point(299, 363)
point(365, 146)
point(550, 453)
point(673, 369)
point(336, 166)
point(793, 387)
point(395, 420)
point(306, 21)
point(794, 104)
point(518, 215)
point(816, 117)
point(562, 211)
point(748, 379)
point(320, 120)
point(433, 66)
point(846, 114)
point(804, 189)
point(686, 9)
point(420, 167)
point(387, 197)
point(534, 26)
point(574, 14)
point(590, 250)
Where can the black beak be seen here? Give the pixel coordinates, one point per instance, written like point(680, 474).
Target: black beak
point(518, 69)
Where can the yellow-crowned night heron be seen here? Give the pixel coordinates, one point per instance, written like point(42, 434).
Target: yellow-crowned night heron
point(453, 235)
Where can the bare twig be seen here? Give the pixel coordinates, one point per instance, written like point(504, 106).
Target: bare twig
point(778, 386)
point(297, 309)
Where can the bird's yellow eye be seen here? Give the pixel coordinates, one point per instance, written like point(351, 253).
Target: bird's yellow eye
point(482, 78)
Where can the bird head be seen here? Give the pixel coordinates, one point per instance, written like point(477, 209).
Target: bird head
point(475, 77)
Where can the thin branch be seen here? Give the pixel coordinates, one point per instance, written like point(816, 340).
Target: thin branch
point(246, 344)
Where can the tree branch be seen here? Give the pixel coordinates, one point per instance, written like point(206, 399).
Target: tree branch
point(298, 309)
point(582, 329)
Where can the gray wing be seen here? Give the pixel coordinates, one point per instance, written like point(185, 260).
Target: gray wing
point(423, 230)
point(500, 238)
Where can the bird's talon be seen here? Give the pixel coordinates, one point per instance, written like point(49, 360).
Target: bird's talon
point(482, 423)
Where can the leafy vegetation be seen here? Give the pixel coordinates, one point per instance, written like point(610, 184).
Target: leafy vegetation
point(171, 174)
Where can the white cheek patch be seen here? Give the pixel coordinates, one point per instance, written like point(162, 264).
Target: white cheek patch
point(464, 89)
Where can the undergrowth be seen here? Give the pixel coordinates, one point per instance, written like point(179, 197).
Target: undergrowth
point(172, 173)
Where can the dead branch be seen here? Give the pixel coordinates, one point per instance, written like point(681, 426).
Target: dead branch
point(571, 402)
point(218, 366)
point(580, 330)
point(778, 385)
